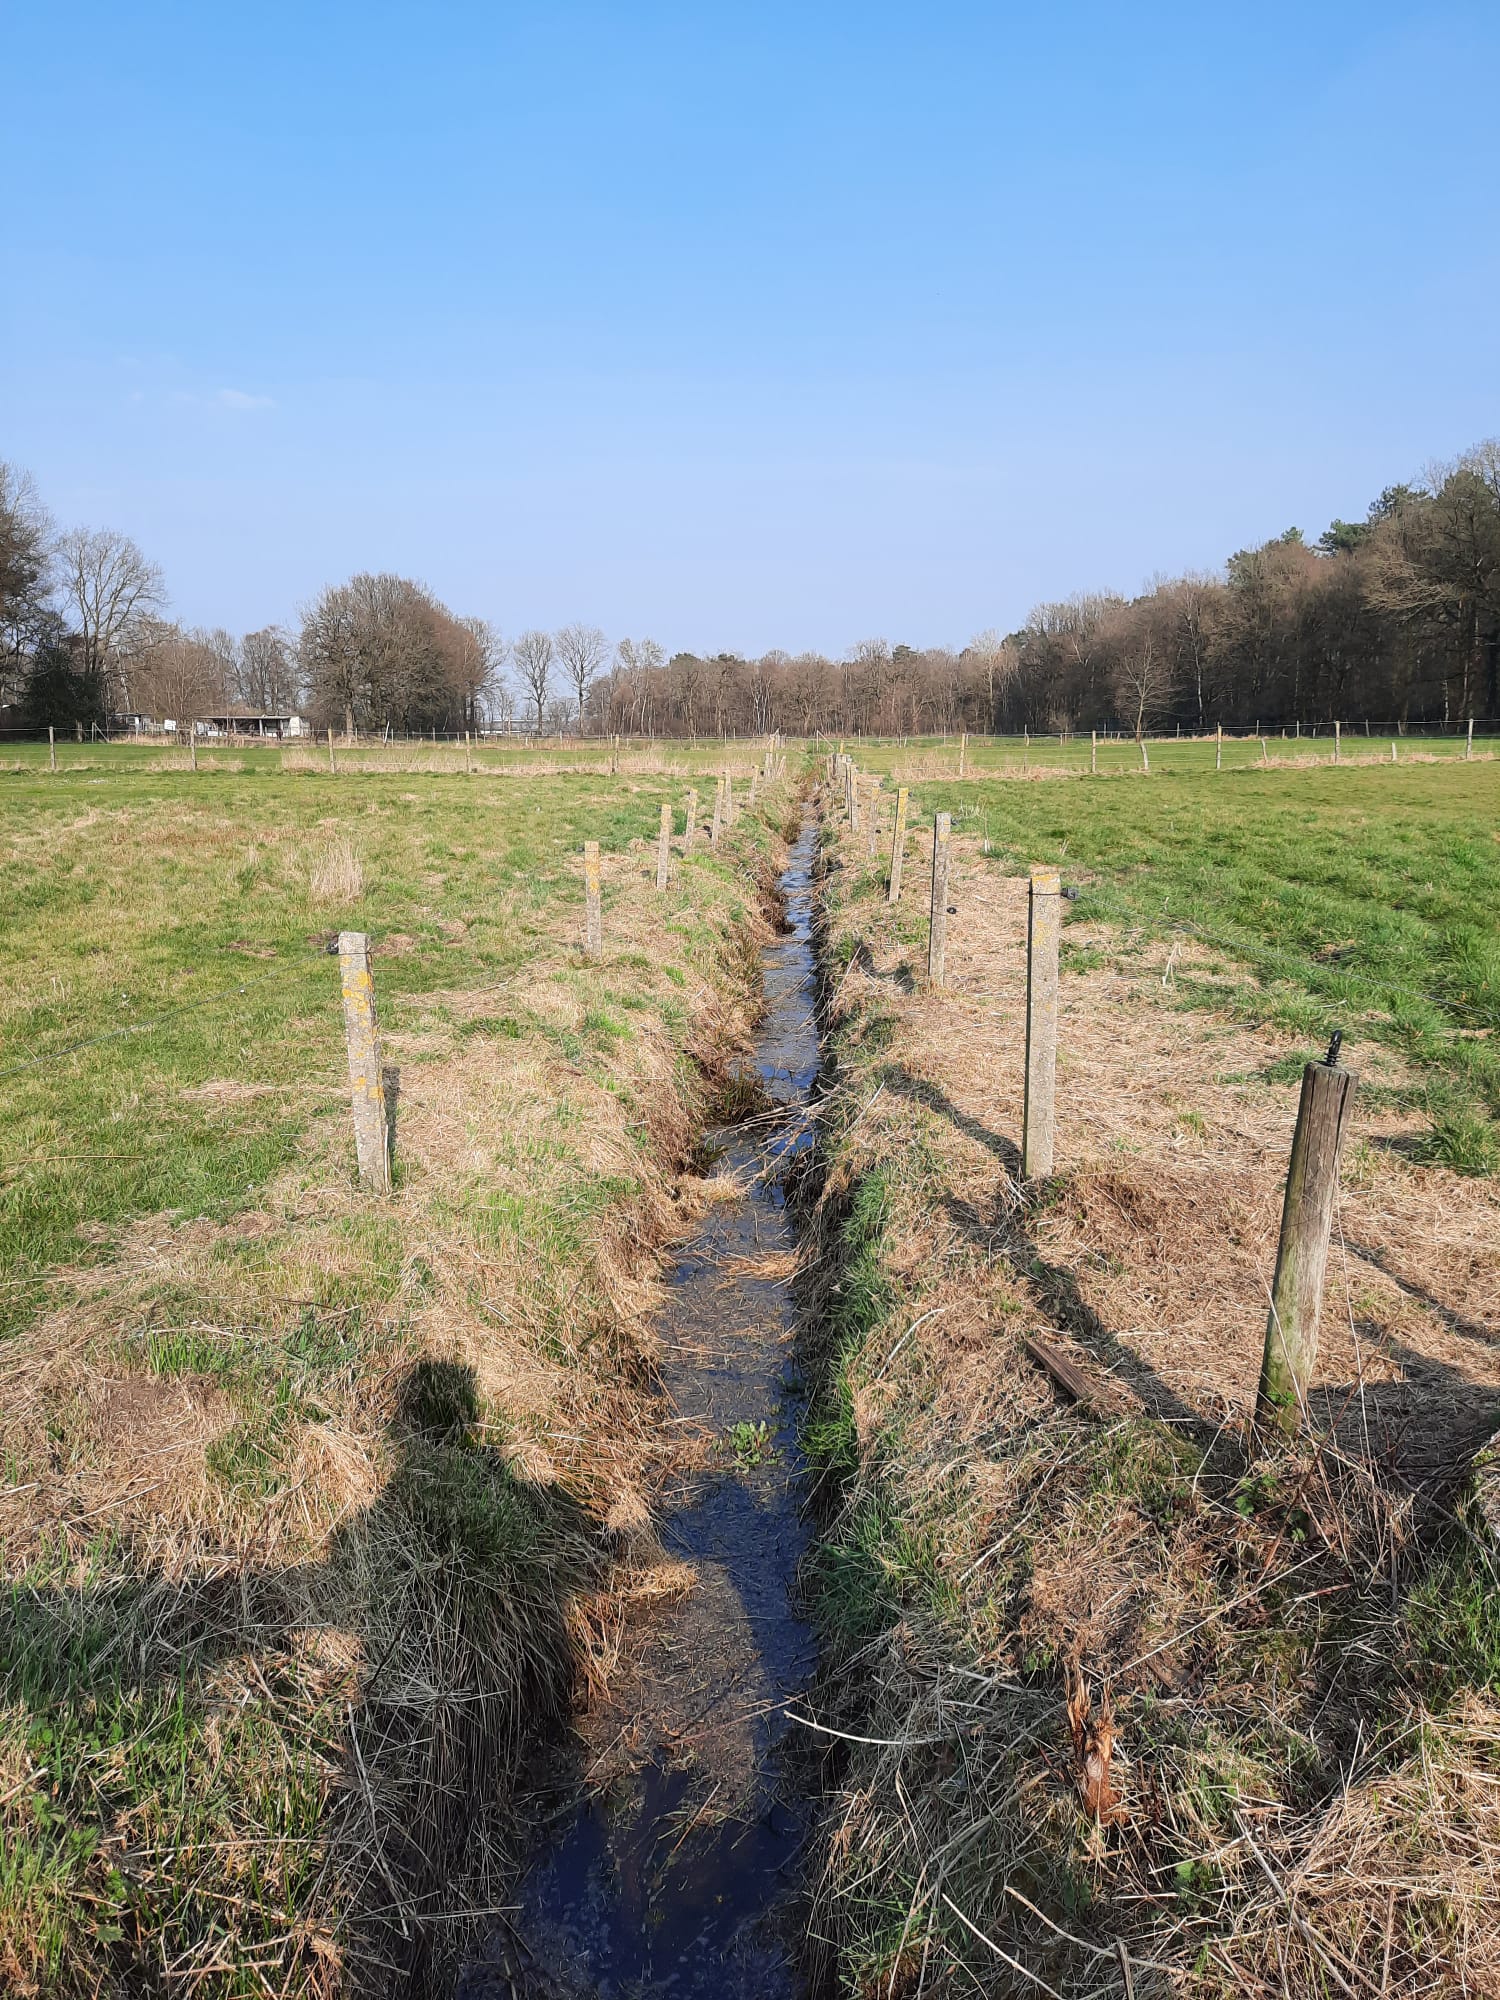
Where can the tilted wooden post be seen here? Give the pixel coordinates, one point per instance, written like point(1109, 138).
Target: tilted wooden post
point(593, 911)
point(1312, 1185)
point(1094, 752)
point(663, 846)
point(1043, 924)
point(372, 1132)
point(937, 934)
point(690, 822)
point(898, 845)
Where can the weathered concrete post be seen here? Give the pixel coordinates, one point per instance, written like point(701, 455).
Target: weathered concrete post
point(1336, 744)
point(1219, 749)
point(1312, 1184)
point(372, 1140)
point(1469, 744)
point(1093, 753)
point(332, 767)
point(716, 828)
point(468, 754)
point(663, 846)
point(898, 845)
point(52, 744)
point(690, 822)
point(593, 908)
point(853, 798)
point(192, 747)
point(872, 842)
point(937, 932)
point(728, 796)
point(1044, 921)
point(963, 753)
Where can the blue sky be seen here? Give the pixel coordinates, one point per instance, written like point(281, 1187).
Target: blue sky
point(739, 327)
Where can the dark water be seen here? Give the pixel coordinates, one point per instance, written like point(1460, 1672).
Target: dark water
point(677, 1873)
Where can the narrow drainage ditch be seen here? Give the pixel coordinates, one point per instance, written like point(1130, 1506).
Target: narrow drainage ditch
point(678, 1871)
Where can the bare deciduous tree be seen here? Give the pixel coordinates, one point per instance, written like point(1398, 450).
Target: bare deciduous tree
point(533, 656)
point(269, 680)
point(581, 652)
point(110, 588)
point(26, 554)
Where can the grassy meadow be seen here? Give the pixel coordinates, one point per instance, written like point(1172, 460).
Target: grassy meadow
point(308, 1499)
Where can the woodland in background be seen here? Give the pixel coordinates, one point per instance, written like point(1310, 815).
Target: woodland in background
point(1393, 620)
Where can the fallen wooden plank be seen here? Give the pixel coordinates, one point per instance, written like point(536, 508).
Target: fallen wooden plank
point(1064, 1373)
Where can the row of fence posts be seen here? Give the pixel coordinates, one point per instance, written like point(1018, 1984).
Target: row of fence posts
point(1291, 1341)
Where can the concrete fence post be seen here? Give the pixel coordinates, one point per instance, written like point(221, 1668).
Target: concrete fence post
point(690, 822)
point(593, 907)
point(1219, 748)
point(717, 827)
point(963, 753)
point(52, 745)
point(1469, 743)
point(1094, 753)
point(728, 796)
point(898, 845)
point(937, 932)
point(754, 785)
point(1312, 1183)
point(332, 767)
point(664, 846)
point(372, 1135)
point(1043, 924)
point(1337, 744)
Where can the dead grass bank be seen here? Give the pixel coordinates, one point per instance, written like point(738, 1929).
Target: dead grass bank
point(1128, 1706)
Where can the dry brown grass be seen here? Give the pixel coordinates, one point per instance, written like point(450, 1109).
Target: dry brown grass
point(336, 874)
point(1299, 1817)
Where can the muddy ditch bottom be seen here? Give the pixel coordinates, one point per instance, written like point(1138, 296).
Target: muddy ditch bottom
point(676, 1859)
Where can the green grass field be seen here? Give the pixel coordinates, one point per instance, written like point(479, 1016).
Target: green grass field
point(1364, 899)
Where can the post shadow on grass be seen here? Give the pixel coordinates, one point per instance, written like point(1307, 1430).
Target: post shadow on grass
point(1007, 1230)
point(1455, 1322)
point(460, 1536)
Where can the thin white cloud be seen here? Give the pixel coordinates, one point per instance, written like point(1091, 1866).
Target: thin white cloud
point(239, 399)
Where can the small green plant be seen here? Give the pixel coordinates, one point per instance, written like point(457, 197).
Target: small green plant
point(750, 1445)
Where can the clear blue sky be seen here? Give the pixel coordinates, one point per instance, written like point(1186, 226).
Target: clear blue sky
point(739, 326)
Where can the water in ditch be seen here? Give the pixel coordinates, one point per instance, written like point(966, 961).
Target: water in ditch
point(676, 1868)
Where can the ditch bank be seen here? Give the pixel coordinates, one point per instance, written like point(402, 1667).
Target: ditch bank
point(1129, 1705)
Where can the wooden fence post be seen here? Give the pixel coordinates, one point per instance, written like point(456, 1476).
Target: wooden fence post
point(898, 845)
point(663, 846)
point(873, 842)
point(728, 796)
point(593, 911)
point(332, 767)
point(1469, 745)
point(1337, 746)
point(1043, 924)
point(1219, 749)
point(52, 742)
point(937, 933)
point(372, 1132)
point(690, 822)
point(1094, 753)
point(468, 754)
point(715, 829)
point(754, 785)
point(853, 798)
point(963, 753)
point(1312, 1185)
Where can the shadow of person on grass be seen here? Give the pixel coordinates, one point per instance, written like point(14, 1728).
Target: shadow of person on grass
point(447, 1603)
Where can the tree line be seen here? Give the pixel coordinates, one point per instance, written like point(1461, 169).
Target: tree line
point(1394, 619)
